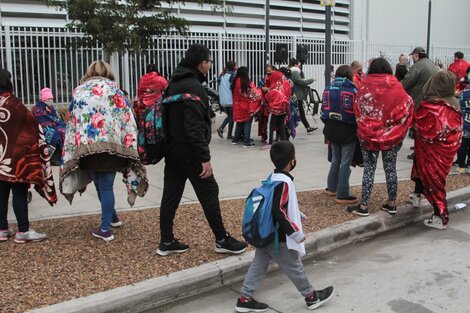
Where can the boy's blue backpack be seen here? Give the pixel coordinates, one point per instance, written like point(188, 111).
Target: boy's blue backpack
point(258, 227)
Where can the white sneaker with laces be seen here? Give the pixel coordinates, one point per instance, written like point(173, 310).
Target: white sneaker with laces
point(415, 199)
point(30, 235)
point(435, 222)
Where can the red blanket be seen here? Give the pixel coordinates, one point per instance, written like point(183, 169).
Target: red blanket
point(279, 93)
point(245, 105)
point(24, 155)
point(438, 133)
point(150, 88)
point(383, 112)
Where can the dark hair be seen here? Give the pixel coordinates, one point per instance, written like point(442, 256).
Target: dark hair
point(458, 55)
point(345, 71)
point(151, 67)
point(196, 54)
point(287, 72)
point(229, 66)
point(272, 67)
point(242, 72)
point(282, 153)
point(293, 62)
point(380, 66)
point(5, 81)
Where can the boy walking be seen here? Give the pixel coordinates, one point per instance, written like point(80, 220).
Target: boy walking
point(285, 211)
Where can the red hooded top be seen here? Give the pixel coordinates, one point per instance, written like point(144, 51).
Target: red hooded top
point(245, 105)
point(150, 88)
point(459, 68)
point(357, 80)
point(279, 93)
point(383, 112)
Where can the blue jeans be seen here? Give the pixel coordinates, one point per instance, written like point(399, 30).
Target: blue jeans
point(340, 168)
point(244, 128)
point(228, 120)
point(104, 186)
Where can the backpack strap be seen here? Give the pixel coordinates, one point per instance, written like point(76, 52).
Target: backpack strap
point(182, 97)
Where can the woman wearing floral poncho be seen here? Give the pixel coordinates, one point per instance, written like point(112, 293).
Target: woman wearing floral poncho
point(100, 140)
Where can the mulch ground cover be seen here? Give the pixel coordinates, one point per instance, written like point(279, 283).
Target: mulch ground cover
point(71, 263)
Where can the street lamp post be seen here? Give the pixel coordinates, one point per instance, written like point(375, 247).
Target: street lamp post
point(429, 28)
point(266, 47)
point(328, 4)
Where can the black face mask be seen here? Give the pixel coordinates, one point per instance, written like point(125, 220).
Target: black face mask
point(292, 166)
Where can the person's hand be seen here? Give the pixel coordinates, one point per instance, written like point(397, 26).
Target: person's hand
point(206, 170)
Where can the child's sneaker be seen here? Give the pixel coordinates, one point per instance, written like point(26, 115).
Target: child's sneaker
point(390, 209)
point(415, 199)
point(175, 246)
point(230, 245)
point(5, 234)
point(250, 305)
point(116, 222)
point(319, 297)
point(435, 222)
point(105, 235)
point(30, 235)
point(358, 210)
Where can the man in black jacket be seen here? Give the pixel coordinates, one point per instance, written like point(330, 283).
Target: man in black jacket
point(188, 157)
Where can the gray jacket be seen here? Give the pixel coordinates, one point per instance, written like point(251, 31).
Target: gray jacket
point(417, 76)
point(301, 85)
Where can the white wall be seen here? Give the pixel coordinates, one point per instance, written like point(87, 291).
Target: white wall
point(405, 21)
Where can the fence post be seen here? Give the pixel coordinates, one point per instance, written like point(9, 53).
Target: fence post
point(220, 47)
point(294, 48)
point(364, 51)
point(8, 48)
point(114, 62)
point(126, 74)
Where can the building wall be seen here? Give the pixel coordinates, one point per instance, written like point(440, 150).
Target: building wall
point(287, 17)
point(404, 21)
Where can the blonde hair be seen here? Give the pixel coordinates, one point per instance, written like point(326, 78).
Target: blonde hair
point(98, 69)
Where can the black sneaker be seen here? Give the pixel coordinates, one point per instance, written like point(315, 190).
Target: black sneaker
point(175, 246)
point(392, 210)
point(230, 245)
point(250, 305)
point(220, 132)
point(358, 210)
point(347, 200)
point(319, 297)
point(311, 129)
point(249, 145)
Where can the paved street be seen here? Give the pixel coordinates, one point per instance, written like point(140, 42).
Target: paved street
point(412, 270)
point(236, 169)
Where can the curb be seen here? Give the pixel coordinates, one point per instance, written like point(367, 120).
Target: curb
point(159, 291)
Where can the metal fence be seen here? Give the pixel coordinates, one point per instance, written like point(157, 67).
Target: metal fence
point(40, 57)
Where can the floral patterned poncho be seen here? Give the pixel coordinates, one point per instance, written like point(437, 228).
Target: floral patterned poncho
point(100, 120)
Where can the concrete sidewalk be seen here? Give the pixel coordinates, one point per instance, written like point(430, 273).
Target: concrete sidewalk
point(153, 294)
point(237, 170)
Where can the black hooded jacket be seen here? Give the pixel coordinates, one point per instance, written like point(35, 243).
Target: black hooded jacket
point(188, 122)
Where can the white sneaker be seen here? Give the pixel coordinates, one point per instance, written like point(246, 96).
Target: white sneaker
point(30, 235)
point(435, 222)
point(415, 199)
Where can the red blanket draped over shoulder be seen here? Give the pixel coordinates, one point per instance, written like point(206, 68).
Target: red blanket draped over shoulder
point(245, 105)
point(438, 132)
point(279, 93)
point(24, 155)
point(150, 88)
point(383, 112)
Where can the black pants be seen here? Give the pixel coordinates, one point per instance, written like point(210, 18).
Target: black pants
point(20, 204)
point(277, 121)
point(419, 188)
point(463, 152)
point(177, 171)
point(303, 118)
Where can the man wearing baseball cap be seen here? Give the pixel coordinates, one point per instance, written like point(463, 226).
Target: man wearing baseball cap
point(418, 75)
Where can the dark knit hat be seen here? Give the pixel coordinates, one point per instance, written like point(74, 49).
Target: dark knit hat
point(196, 54)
